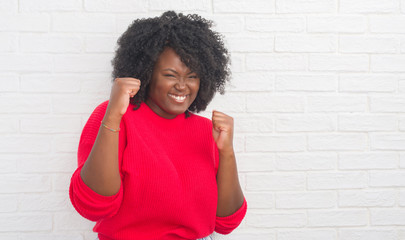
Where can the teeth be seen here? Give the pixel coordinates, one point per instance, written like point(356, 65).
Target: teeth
point(178, 98)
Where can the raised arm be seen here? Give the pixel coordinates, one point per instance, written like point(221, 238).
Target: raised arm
point(100, 172)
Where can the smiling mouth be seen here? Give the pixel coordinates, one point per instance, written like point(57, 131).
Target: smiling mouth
point(178, 98)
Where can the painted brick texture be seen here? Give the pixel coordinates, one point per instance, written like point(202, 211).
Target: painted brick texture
point(317, 94)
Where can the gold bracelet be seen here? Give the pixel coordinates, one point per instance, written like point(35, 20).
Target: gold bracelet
point(111, 129)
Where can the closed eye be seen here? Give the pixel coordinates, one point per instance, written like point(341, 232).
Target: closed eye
point(169, 75)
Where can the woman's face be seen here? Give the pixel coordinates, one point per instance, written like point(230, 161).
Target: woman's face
point(173, 86)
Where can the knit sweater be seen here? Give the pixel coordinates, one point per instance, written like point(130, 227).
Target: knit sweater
point(168, 179)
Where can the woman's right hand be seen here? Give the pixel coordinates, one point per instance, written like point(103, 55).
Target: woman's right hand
point(121, 91)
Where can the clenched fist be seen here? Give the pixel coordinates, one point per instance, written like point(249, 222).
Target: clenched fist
point(121, 92)
point(222, 131)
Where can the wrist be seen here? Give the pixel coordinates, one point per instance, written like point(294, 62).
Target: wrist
point(112, 120)
point(228, 151)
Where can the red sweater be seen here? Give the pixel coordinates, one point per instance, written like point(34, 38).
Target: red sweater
point(168, 179)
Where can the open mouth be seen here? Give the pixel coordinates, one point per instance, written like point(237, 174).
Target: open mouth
point(178, 98)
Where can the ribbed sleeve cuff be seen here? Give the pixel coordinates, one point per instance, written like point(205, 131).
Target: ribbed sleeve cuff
point(225, 225)
point(90, 204)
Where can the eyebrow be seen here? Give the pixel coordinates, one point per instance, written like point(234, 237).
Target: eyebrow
point(174, 71)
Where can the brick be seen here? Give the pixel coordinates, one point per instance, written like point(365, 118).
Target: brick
point(51, 163)
point(273, 219)
point(95, 83)
point(275, 24)
point(306, 161)
point(238, 63)
point(403, 43)
point(250, 44)
point(337, 24)
point(274, 103)
point(306, 200)
point(387, 24)
point(337, 218)
point(276, 62)
point(52, 236)
point(260, 200)
point(27, 104)
point(83, 63)
point(368, 6)
point(8, 42)
point(347, 142)
point(65, 144)
point(367, 122)
point(61, 182)
point(387, 217)
point(117, 6)
point(402, 198)
point(9, 203)
point(50, 83)
point(275, 182)
point(244, 6)
point(101, 44)
point(81, 22)
point(76, 104)
point(306, 82)
point(368, 83)
point(249, 82)
point(275, 143)
point(387, 141)
point(9, 82)
point(333, 62)
point(313, 234)
point(8, 163)
point(71, 221)
point(25, 222)
point(402, 160)
point(255, 162)
point(51, 124)
point(24, 22)
point(298, 6)
point(51, 6)
point(367, 234)
point(368, 198)
point(337, 103)
point(11, 183)
point(253, 123)
point(387, 63)
point(368, 160)
point(31, 143)
point(26, 62)
point(229, 103)
point(50, 202)
point(38, 43)
point(228, 24)
point(5, 236)
point(336, 180)
point(179, 5)
point(9, 125)
point(391, 104)
point(305, 43)
point(9, 6)
point(305, 123)
point(367, 44)
point(122, 21)
point(255, 234)
point(387, 178)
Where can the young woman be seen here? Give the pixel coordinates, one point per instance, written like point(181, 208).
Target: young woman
point(148, 168)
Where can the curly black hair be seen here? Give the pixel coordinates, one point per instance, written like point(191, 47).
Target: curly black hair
point(200, 49)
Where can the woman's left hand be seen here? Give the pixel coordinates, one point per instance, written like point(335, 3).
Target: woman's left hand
point(222, 131)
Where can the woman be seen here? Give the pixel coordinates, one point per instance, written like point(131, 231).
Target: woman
point(148, 168)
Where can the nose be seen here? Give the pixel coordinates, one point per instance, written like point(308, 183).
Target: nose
point(181, 84)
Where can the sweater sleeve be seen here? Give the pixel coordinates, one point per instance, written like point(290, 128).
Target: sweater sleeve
point(88, 203)
point(225, 225)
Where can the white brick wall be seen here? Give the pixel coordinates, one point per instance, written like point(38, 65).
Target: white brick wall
point(317, 94)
